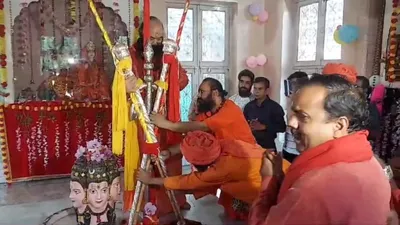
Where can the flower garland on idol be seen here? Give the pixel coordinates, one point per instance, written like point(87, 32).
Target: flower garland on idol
point(392, 42)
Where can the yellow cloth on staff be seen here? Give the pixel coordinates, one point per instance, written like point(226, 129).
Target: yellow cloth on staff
point(121, 124)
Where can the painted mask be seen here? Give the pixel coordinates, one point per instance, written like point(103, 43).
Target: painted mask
point(98, 191)
point(78, 185)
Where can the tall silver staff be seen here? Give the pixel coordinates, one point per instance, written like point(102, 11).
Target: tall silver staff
point(142, 112)
point(170, 48)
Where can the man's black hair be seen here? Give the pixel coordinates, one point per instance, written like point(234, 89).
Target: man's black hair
point(263, 80)
point(343, 99)
point(298, 75)
point(246, 73)
point(364, 82)
point(216, 85)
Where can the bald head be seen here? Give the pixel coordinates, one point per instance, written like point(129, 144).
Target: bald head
point(156, 31)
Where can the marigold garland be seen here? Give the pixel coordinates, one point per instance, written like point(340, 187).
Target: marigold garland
point(64, 106)
point(392, 42)
point(4, 148)
point(3, 48)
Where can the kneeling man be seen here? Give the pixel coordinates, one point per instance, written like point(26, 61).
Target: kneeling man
point(231, 165)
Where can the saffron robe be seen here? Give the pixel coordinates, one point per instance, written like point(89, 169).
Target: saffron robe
point(228, 123)
point(237, 169)
point(349, 189)
point(174, 164)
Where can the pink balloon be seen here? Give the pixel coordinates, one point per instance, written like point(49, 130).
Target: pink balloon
point(251, 62)
point(261, 60)
point(263, 16)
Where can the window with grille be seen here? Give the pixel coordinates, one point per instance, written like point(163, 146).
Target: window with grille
point(204, 45)
point(317, 21)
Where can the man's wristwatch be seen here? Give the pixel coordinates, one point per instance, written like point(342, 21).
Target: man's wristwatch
point(388, 172)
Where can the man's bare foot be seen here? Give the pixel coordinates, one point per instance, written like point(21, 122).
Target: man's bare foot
point(186, 206)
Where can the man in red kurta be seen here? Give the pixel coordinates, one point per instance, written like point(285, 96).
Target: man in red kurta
point(336, 179)
point(174, 164)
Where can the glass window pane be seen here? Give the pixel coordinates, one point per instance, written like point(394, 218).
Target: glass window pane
point(186, 99)
point(334, 18)
point(186, 44)
point(219, 76)
point(213, 36)
point(308, 28)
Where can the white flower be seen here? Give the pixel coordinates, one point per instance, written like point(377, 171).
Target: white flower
point(150, 209)
point(93, 144)
point(81, 150)
point(97, 156)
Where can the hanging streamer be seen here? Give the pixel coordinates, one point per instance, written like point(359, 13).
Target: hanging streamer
point(136, 19)
point(146, 22)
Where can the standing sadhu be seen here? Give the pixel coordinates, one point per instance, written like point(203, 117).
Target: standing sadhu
point(231, 165)
point(174, 164)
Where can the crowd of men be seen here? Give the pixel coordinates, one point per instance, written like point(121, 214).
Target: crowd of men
point(328, 173)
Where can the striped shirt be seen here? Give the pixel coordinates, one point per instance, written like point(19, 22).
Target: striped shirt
point(290, 144)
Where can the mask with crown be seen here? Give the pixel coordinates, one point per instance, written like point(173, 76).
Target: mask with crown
point(95, 184)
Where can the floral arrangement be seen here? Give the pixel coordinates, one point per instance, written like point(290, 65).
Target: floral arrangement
point(94, 151)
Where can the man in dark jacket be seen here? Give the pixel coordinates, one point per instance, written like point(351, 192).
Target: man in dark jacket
point(374, 118)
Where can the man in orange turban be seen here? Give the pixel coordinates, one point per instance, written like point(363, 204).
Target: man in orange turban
point(346, 71)
point(231, 165)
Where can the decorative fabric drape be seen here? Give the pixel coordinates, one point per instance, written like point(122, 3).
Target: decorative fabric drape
point(388, 144)
point(43, 137)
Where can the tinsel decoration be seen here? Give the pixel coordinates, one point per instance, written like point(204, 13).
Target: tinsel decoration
point(392, 43)
point(72, 11)
point(3, 146)
point(22, 46)
point(3, 48)
point(136, 19)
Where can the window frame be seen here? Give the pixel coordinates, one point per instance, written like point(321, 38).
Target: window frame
point(197, 65)
point(214, 70)
point(186, 64)
point(319, 59)
point(219, 8)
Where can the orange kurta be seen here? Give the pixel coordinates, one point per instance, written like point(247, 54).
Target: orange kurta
point(236, 172)
point(228, 123)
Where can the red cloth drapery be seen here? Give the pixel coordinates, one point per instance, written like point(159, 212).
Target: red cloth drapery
point(43, 137)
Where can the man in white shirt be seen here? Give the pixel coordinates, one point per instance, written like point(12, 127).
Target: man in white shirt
point(295, 80)
point(246, 79)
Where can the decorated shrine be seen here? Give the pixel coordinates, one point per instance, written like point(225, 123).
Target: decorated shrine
point(57, 73)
